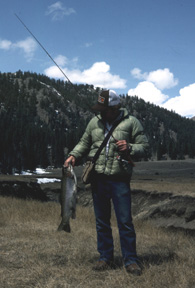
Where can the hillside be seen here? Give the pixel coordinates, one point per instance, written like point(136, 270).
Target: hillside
point(41, 119)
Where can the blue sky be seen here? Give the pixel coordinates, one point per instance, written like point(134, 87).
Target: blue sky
point(136, 47)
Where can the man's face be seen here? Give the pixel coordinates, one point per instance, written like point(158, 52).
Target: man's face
point(110, 114)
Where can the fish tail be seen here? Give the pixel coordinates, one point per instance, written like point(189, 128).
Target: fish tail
point(64, 227)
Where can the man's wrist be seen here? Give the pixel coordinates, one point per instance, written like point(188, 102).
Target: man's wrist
point(129, 147)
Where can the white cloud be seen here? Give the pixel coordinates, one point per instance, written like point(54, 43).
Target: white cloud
point(61, 60)
point(5, 44)
point(147, 91)
point(183, 104)
point(136, 73)
point(88, 44)
point(161, 78)
point(151, 91)
point(58, 11)
point(27, 46)
point(98, 75)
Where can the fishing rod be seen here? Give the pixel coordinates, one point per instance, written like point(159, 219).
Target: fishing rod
point(46, 52)
point(129, 158)
point(43, 48)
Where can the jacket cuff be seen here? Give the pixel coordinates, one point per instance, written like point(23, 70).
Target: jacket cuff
point(129, 147)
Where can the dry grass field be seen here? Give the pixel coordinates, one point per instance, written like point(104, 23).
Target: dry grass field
point(177, 177)
point(34, 255)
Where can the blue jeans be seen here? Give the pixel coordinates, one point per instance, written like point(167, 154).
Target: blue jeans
point(105, 190)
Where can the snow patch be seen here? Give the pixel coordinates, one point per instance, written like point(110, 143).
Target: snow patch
point(47, 180)
point(41, 171)
point(37, 171)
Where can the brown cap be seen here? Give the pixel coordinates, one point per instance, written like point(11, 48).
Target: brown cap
point(106, 99)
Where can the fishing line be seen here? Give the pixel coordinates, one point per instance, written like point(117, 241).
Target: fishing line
point(43, 49)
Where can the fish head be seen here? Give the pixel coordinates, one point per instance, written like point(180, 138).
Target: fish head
point(67, 171)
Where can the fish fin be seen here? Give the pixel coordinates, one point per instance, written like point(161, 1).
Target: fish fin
point(73, 207)
point(73, 212)
point(60, 227)
point(64, 227)
point(73, 216)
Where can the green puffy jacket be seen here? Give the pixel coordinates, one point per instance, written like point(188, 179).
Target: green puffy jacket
point(129, 129)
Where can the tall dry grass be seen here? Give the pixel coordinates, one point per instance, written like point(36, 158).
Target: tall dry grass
point(33, 254)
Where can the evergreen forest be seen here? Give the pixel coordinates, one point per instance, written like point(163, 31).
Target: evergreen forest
point(42, 119)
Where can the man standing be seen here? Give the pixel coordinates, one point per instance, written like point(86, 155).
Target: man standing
point(111, 179)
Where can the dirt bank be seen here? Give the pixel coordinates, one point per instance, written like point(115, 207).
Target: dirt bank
point(162, 192)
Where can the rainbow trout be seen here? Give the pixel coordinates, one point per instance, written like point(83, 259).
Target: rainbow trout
point(68, 197)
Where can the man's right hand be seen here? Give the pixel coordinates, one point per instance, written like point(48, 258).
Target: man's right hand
point(70, 160)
